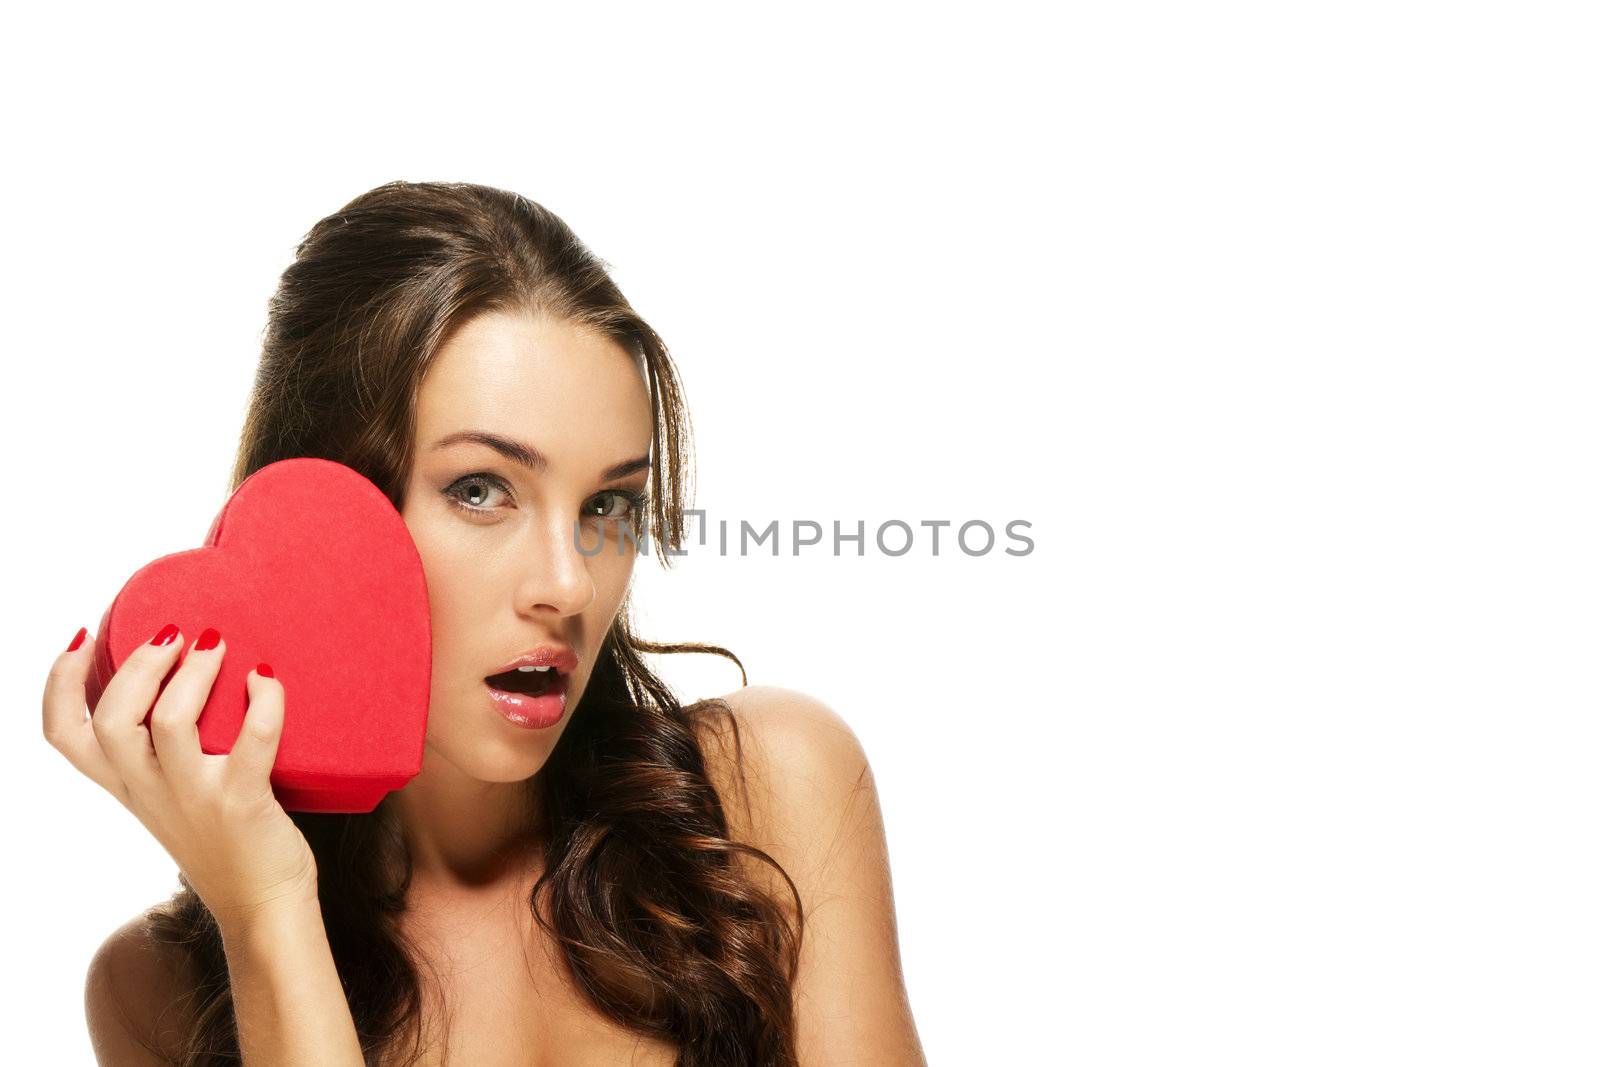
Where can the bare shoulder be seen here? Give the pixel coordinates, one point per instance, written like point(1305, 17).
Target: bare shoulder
point(789, 723)
point(133, 995)
point(813, 807)
point(780, 759)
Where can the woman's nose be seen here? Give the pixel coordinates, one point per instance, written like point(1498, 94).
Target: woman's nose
point(557, 576)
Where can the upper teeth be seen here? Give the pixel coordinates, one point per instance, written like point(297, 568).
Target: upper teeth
point(533, 668)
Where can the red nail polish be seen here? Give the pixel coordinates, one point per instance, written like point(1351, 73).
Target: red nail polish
point(77, 639)
point(168, 632)
point(264, 669)
point(208, 640)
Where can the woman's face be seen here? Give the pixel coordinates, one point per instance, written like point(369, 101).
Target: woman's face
point(504, 568)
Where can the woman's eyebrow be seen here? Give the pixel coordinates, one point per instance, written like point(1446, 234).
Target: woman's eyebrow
point(530, 457)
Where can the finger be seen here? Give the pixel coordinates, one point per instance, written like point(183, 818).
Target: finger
point(66, 726)
point(172, 721)
point(118, 719)
point(249, 766)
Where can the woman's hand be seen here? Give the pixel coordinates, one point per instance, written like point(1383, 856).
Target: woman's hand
point(214, 814)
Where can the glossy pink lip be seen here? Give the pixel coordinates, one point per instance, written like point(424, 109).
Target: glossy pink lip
point(561, 657)
point(532, 712)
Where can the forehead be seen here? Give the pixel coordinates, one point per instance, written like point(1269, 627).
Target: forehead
point(546, 381)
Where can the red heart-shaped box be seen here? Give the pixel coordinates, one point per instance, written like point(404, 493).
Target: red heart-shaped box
point(310, 568)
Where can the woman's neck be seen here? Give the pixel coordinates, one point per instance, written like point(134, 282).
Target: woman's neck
point(462, 832)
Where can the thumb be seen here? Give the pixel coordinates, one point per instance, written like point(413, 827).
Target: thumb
point(251, 758)
point(65, 726)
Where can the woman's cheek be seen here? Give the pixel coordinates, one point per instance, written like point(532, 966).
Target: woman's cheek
point(609, 569)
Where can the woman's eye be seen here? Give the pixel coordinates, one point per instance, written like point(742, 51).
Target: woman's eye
point(475, 492)
point(616, 504)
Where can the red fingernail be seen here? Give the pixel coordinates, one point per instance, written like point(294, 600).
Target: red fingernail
point(168, 632)
point(77, 639)
point(264, 669)
point(208, 640)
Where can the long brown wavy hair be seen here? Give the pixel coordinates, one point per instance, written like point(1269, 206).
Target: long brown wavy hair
point(660, 926)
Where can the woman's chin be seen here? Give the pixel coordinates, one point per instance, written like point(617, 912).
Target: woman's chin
point(499, 759)
point(495, 736)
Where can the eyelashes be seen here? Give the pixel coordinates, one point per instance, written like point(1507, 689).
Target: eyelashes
point(634, 500)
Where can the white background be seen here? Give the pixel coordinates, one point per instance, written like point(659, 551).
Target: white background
point(1277, 321)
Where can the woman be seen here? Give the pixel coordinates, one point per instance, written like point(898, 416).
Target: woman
point(634, 882)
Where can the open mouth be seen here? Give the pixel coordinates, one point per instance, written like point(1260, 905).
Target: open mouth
point(529, 681)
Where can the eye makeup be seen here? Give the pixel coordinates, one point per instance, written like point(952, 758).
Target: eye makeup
point(635, 499)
